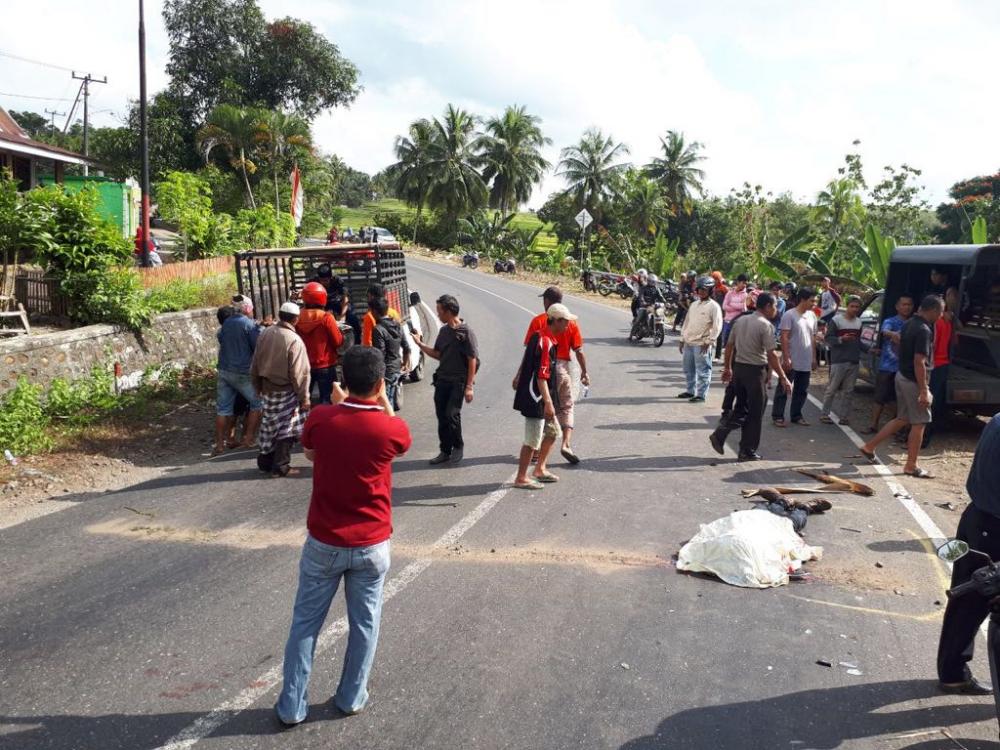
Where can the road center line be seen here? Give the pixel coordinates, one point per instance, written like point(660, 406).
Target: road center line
point(205, 725)
point(485, 291)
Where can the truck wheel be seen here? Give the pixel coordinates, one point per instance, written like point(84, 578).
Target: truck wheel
point(417, 373)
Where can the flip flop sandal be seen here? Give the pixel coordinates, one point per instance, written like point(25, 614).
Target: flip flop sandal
point(919, 473)
point(217, 452)
point(825, 420)
point(546, 478)
point(869, 431)
point(529, 486)
point(801, 423)
point(870, 455)
point(844, 422)
point(570, 456)
point(779, 423)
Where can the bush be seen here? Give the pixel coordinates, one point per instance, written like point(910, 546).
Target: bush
point(23, 420)
point(185, 199)
point(180, 295)
point(260, 227)
point(433, 231)
point(81, 402)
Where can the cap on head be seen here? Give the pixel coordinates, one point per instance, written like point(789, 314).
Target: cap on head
point(289, 308)
point(552, 295)
point(559, 311)
point(244, 304)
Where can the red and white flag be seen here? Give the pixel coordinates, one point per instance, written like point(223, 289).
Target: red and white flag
point(297, 197)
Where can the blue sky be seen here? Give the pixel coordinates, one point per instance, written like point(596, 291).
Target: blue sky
point(776, 91)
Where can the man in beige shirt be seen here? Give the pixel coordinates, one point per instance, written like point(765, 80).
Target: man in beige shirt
point(280, 374)
point(702, 326)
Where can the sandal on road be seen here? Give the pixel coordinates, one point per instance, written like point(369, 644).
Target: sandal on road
point(870, 455)
point(825, 419)
point(779, 422)
point(801, 422)
point(545, 478)
point(919, 473)
point(570, 456)
point(532, 485)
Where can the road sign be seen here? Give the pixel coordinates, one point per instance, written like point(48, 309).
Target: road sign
point(584, 218)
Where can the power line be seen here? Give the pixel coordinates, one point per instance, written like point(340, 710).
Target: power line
point(29, 96)
point(34, 62)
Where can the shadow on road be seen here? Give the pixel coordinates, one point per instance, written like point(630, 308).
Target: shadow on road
point(900, 545)
point(819, 719)
point(416, 464)
point(650, 426)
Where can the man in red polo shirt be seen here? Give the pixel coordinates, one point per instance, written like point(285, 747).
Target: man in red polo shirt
point(352, 446)
point(569, 341)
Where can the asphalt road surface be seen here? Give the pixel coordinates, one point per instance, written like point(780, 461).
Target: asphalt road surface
point(156, 617)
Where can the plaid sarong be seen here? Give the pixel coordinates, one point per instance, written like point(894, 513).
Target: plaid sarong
point(281, 419)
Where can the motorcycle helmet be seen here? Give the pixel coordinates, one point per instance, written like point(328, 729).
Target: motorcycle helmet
point(652, 279)
point(314, 293)
point(791, 287)
point(642, 272)
point(692, 274)
point(706, 282)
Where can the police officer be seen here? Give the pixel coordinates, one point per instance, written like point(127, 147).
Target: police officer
point(749, 352)
point(979, 526)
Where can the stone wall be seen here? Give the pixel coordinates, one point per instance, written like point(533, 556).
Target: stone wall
point(171, 339)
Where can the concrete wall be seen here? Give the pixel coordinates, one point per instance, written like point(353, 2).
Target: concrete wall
point(172, 339)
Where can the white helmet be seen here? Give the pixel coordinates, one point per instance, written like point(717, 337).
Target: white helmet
point(642, 272)
point(653, 278)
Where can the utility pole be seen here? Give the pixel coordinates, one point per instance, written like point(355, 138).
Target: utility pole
point(144, 137)
point(85, 87)
point(52, 117)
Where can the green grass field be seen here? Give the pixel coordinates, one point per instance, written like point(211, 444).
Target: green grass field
point(362, 216)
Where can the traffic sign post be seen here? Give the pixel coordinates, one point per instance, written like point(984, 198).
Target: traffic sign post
point(583, 219)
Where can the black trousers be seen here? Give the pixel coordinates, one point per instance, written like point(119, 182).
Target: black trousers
point(964, 615)
point(747, 415)
point(448, 400)
point(800, 392)
point(939, 406)
point(279, 460)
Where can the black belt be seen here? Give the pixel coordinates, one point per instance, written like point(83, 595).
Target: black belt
point(744, 364)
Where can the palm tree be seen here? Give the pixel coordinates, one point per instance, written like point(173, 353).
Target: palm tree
point(455, 186)
point(676, 172)
point(237, 131)
point(591, 168)
point(839, 211)
point(511, 157)
point(282, 134)
point(411, 178)
point(645, 206)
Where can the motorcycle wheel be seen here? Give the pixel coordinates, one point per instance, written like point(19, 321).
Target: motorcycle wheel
point(658, 336)
point(473, 264)
point(605, 289)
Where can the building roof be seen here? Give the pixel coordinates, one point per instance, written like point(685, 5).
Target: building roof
point(13, 138)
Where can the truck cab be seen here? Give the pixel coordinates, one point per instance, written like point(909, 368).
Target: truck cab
point(974, 272)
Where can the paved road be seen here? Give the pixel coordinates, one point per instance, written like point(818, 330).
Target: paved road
point(157, 616)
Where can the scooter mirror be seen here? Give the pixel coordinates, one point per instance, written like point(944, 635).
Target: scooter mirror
point(953, 550)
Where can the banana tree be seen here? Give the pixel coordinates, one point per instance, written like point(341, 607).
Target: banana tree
point(776, 265)
point(483, 233)
point(979, 233)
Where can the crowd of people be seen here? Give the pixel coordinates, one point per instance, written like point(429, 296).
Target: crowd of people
point(805, 324)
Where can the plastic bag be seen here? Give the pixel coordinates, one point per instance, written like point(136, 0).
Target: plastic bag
point(750, 548)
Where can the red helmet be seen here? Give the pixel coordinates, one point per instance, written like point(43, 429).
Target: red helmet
point(314, 293)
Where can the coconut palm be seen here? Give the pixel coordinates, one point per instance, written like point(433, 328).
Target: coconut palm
point(839, 213)
point(455, 186)
point(410, 175)
point(510, 153)
point(644, 206)
point(591, 167)
point(676, 171)
point(282, 134)
point(237, 131)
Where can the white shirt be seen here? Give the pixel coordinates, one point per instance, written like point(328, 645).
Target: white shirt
point(702, 324)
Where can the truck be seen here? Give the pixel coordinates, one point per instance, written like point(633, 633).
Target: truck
point(272, 277)
point(974, 270)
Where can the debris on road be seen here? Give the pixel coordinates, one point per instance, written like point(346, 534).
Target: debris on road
point(946, 506)
point(826, 664)
point(747, 548)
point(845, 528)
point(11, 458)
point(625, 666)
point(834, 481)
point(752, 492)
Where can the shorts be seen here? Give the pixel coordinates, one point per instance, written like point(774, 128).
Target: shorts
point(228, 385)
point(564, 387)
point(537, 429)
point(907, 407)
point(885, 387)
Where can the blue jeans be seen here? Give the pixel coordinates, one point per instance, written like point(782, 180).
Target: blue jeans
point(697, 369)
point(227, 385)
point(320, 570)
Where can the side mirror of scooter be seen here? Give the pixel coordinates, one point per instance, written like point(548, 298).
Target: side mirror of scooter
point(953, 550)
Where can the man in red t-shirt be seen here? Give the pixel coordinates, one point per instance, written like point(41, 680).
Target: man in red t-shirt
point(569, 341)
point(352, 446)
point(944, 334)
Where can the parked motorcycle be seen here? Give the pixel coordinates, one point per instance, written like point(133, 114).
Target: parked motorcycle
point(589, 281)
point(652, 324)
point(505, 266)
point(986, 582)
point(605, 285)
point(624, 289)
point(470, 260)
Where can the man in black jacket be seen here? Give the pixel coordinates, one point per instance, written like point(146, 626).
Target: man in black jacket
point(458, 353)
point(387, 337)
point(536, 398)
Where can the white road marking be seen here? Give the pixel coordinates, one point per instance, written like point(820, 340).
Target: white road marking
point(205, 725)
point(485, 291)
